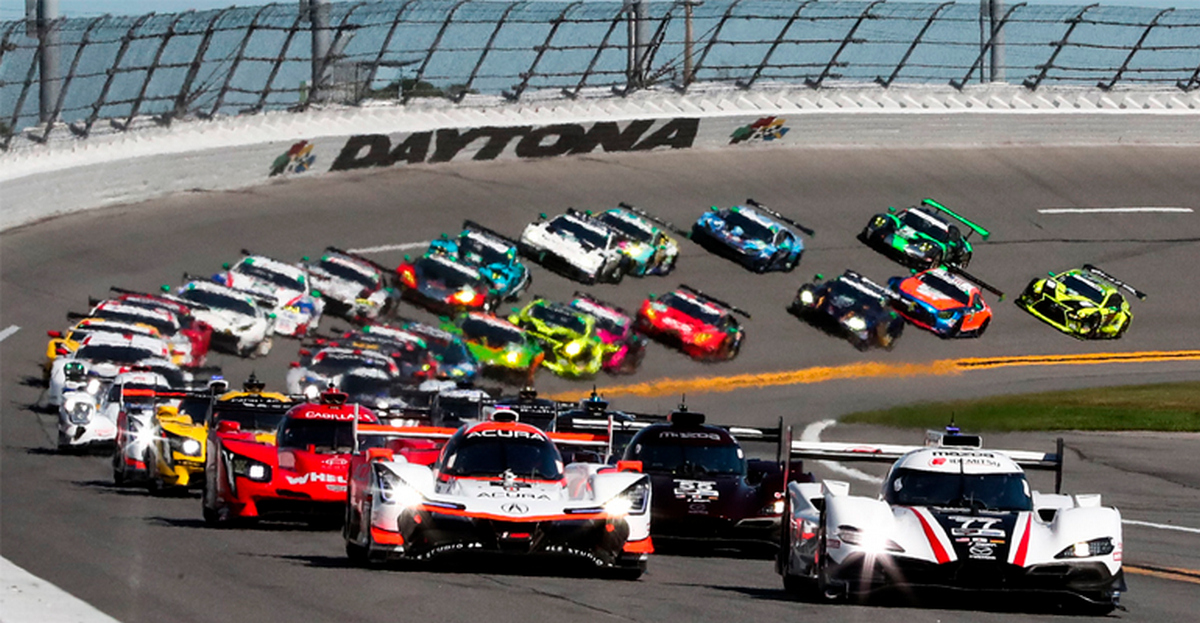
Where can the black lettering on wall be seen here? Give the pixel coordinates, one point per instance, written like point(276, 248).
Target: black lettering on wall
point(611, 137)
point(351, 156)
point(676, 134)
point(534, 145)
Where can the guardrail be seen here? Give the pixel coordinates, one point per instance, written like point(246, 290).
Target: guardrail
point(79, 72)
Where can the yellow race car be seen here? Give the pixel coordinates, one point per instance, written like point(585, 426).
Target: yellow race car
point(65, 342)
point(181, 445)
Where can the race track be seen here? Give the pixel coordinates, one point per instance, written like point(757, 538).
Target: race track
point(139, 558)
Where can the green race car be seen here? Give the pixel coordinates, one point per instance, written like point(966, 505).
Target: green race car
point(1085, 303)
point(501, 348)
point(567, 336)
point(921, 236)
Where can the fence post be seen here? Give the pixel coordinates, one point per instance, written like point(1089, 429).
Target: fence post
point(862, 17)
point(141, 96)
point(639, 42)
point(283, 49)
point(182, 100)
point(62, 92)
point(912, 46)
point(112, 72)
point(432, 49)
point(771, 50)
point(318, 17)
point(713, 40)
point(458, 97)
point(1032, 85)
point(996, 10)
point(541, 51)
point(1137, 46)
point(983, 52)
point(48, 48)
point(612, 27)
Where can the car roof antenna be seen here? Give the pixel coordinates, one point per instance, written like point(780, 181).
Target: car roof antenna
point(951, 429)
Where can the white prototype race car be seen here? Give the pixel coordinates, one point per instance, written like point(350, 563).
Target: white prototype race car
point(101, 357)
point(240, 324)
point(955, 516)
point(353, 287)
point(575, 246)
point(498, 486)
point(131, 402)
point(297, 307)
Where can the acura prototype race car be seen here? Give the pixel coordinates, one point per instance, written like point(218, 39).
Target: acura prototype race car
point(951, 515)
point(853, 306)
point(577, 246)
point(499, 486)
point(752, 235)
point(922, 236)
point(493, 254)
point(947, 303)
point(701, 326)
point(1085, 303)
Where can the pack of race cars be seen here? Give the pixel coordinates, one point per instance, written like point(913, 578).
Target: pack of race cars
point(386, 428)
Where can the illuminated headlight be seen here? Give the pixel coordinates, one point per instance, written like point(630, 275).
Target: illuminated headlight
point(856, 323)
point(312, 392)
point(190, 447)
point(806, 297)
point(925, 247)
point(79, 411)
point(867, 540)
point(248, 468)
point(574, 348)
point(142, 435)
point(512, 357)
point(94, 386)
point(457, 372)
point(257, 471)
point(632, 501)
point(464, 296)
point(777, 507)
point(398, 494)
point(1084, 549)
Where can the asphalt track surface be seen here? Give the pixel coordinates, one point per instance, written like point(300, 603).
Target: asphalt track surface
point(140, 558)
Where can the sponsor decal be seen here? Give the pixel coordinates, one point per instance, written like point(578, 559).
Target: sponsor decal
point(335, 462)
point(315, 477)
point(489, 142)
point(689, 435)
point(297, 159)
point(982, 549)
point(765, 129)
point(514, 495)
point(336, 488)
point(977, 527)
point(505, 434)
point(515, 508)
point(696, 491)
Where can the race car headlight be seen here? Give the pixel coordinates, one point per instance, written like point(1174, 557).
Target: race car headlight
point(464, 296)
point(925, 247)
point(879, 221)
point(867, 540)
point(574, 348)
point(79, 411)
point(190, 447)
point(249, 468)
point(856, 323)
point(94, 386)
point(512, 357)
point(946, 314)
point(312, 392)
point(399, 494)
point(1084, 549)
point(806, 297)
point(777, 507)
point(632, 501)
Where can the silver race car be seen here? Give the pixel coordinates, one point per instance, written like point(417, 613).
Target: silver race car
point(576, 246)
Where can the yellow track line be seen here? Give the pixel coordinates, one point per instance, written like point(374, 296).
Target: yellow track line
point(1165, 573)
point(942, 367)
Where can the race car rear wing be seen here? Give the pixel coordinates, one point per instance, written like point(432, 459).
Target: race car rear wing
point(165, 295)
point(669, 226)
point(976, 280)
point(712, 299)
point(972, 227)
point(889, 453)
point(1116, 282)
point(864, 282)
point(470, 225)
point(762, 208)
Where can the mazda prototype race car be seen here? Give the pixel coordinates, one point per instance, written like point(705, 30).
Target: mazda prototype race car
point(1085, 303)
point(568, 337)
point(302, 474)
point(297, 307)
point(852, 306)
point(944, 302)
point(701, 326)
point(752, 235)
point(576, 246)
point(922, 236)
point(950, 515)
point(493, 254)
point(241, 324)
point(650, 250)
point(352, 286)
point(498, 487)
point(623, 347)
point(441, 283)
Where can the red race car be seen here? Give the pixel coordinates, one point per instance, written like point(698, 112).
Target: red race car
point(701, 326)
point(945, 302)
point(302, 474)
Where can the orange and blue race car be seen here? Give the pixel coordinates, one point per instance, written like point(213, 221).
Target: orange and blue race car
point(946, 302)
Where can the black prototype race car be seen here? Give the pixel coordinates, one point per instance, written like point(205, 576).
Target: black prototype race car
point(853, 306)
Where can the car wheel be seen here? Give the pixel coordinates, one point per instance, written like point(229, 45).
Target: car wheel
point(983, 327)
point(790, 264)
point(630, 572)
point(966, 259)
point(358, 554)
point(120, 475)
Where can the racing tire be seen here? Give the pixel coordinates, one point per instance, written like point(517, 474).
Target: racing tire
point(791, 264)
point(120, 477)
point(887, 341)
point(629, 573)
point(964, 260)
point(669, 266)
point(983, 327)
point(358, 554)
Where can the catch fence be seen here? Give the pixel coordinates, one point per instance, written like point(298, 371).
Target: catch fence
point(113, 70)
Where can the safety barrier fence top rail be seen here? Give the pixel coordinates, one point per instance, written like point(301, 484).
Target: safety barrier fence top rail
point(80, 72)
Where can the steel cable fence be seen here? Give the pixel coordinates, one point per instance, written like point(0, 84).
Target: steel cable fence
point(242, 60)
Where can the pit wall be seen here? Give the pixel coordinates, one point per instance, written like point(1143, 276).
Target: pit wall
point(39, 181)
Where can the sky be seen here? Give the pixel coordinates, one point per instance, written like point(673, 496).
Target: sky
point(15, 9)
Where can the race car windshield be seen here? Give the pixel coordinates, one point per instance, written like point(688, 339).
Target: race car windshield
point(356, 385)
point(690, 460)
point(587, 237)
point(1084, 289)
point(262, 274)
point(330, 364)
point(845, 295)
point(217, 300)
point(945, 287)
point(910, 487)
point(250, 419)
point(692, 308)
point(113, 353)
point(195, 408)
point(626, 227)
point(348, 273)
point(494, 335)
point(164, 326)
point(752, 229)
point(320, 436)
point(478, 253)
point(432, 270)
point(556, 317)
point(925, 224)
point(492, 456)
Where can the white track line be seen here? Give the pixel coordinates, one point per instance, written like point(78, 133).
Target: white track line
point(812, 432)
point(26, 597)
point(8, 332)
point(390, 247)
point(1111, 210)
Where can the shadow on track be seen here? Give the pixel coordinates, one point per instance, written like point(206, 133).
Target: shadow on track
point(465, 564)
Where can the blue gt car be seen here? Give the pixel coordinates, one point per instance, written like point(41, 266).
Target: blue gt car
point(492, 254)
point(751, 235)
